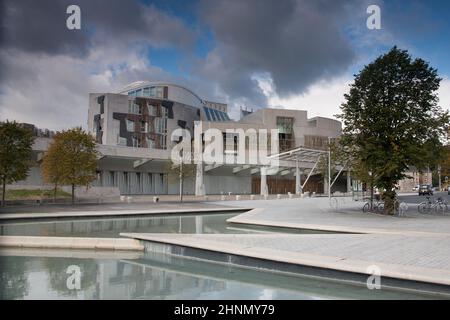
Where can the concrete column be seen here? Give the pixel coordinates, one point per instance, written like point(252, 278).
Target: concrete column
point(325, 185)
point(349, 182)
point(198, 224)
point(264, 189)
point(298, 179)
point(199, 184)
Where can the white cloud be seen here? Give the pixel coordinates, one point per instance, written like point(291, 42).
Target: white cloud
point(325, 97)
point(444, 94)
point(52, 91)
point(322, 99)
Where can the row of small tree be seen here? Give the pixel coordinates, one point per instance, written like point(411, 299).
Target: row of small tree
point(71, 158)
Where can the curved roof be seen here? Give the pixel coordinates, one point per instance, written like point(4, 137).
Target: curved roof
point(142, 84)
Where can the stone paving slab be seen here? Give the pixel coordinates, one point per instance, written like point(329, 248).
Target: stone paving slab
point(317, 214)
point(397, 256)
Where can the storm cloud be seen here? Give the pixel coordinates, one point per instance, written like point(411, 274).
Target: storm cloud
point(291, 43)
point(295, 42)
point(40, 26)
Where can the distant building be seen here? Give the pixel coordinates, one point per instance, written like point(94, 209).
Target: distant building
point(415, 178)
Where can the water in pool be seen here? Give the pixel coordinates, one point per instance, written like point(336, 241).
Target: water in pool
point(41, 274)
point(111, 227)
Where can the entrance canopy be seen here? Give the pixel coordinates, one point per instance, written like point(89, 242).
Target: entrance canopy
point(300, 154)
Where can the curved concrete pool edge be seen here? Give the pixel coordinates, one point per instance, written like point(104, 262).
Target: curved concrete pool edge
point(241, 246)
point(71, 243)
point(116, 213)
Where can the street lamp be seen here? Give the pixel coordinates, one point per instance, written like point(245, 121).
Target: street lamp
point(329, 168)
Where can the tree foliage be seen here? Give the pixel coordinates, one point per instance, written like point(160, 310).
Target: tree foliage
point(392, 119)
point(52, 167)
point(71, 159)
point(15, 153)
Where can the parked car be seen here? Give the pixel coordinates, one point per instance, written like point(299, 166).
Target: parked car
point(425, 189)
point(416, 188)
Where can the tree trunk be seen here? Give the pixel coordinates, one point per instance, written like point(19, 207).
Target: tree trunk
point(371, 192)
point(181, 182)
point(389, 201)
point(73, 194)
point(3, 192)
point(54, 192)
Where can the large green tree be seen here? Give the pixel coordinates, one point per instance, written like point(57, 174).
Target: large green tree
point(392, 120)
point(15, 153)
point(71, 159)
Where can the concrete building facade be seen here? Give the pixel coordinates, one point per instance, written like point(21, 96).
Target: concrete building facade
point(133, 129)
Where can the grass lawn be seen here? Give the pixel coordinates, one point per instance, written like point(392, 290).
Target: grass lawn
point(35, 194)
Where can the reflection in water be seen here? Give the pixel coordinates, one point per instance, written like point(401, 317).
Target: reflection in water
point(157, 276)
point(45, 278)
point(213, 223)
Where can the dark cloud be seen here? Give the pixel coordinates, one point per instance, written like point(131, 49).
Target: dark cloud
point(292, 43)
point(296, 42)
point(40, 26)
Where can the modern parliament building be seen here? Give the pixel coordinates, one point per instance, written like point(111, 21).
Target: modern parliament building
point(133, 129)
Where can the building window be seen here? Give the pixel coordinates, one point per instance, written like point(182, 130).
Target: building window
point(163, 142)
point(150, 144)
point(112, 178)
point(134, 108)
point(152, 110)
point(160, 125)
point(138, 179)
point(164, 112)
point(159, 92)
point(316, 142)
point(130, 125)
point(144, 126)
point(286, 137)
point(230, 142)
point(136, 142)
point(121, 141)
point(146, 92)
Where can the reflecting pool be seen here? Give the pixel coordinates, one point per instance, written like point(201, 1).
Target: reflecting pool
point(39, 274)
point(111, 227)
point(42, 274)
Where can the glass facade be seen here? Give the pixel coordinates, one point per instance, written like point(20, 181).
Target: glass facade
point(215, 115)
point(285, 126)
point(155, 92)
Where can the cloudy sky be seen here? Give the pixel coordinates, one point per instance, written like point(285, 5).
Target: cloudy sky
point(299, 54)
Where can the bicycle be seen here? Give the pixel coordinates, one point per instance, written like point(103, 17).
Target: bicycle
point(376, 206)
point(400, 208)
point(438, 205)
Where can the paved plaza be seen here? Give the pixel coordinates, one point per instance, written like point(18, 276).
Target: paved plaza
point(412, 247)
